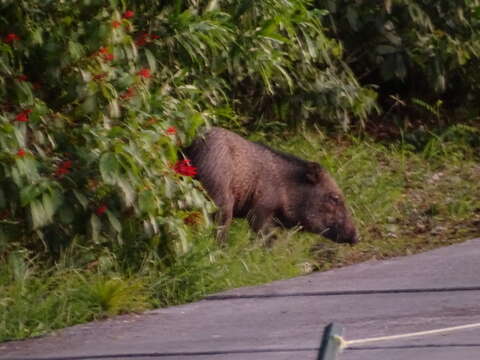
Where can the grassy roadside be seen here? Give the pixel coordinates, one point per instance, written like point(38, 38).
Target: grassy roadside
point(407, 196)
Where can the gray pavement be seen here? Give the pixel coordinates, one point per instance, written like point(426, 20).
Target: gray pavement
point(285, 319)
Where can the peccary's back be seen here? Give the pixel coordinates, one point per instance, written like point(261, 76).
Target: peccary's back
point(228, 164)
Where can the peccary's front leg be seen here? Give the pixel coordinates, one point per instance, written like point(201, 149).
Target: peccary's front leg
point(261, 221)
point(224, 219)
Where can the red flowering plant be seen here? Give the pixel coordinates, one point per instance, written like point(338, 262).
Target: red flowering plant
point(11, 38)
point(172, 130)
point(101, 209)
point(23, 116)
point(21, 152)
point(127, 94)
point(89, 124)
point(105, 54)
point(144, 38)
point(144, 73)
point(63, 168)
point(184, 167)
point(128, 14)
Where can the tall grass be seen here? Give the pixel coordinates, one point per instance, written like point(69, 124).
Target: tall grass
point(407, 196)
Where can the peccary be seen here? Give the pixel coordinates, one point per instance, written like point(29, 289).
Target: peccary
point(268, 187)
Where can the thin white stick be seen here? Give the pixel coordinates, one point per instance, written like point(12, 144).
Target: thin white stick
point(344, 343)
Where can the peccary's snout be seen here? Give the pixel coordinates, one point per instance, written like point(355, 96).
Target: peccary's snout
point(346, 237)
point(353, 239)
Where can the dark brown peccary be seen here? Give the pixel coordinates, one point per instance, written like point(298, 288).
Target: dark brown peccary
point(268, 187)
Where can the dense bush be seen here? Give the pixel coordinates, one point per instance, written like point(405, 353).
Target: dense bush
point(98, 96)
point(413, 49)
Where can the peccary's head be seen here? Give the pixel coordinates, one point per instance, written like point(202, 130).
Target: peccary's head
point(325, 211)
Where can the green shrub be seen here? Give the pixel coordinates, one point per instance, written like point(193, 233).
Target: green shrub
point(420, 49)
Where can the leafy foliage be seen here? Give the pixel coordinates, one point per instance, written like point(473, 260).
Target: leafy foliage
point(89, 132)
point(98, 97)
point(413, 48)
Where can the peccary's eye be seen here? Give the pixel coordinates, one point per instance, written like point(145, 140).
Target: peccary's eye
point(333, 198)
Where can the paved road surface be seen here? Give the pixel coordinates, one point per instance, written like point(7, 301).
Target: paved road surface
point(284, 320)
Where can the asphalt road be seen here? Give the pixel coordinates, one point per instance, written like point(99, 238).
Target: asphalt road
point(285, 319)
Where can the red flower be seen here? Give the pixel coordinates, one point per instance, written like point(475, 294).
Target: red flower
point(64, 168)
point(61, 171)
point(142, 39)
point(10, 38)
point(116, 24)
point(171, 130)
point(105, 54)
point(128, 94)
point(183, 167)
point(102, 209)
point(99, 76)
point(21, 152)
point(67, 164)
point(4, 214)
point(145, 73)
point(128, 14)
point(22, 77)
point(108, 57)
point(23, 116)
point(193, 218)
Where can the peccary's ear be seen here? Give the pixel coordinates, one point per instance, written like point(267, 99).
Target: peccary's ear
point(314, 173)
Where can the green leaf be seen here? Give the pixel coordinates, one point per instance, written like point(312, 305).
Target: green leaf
point(95, 228)
point(81, 198)
point(90, 104)
point(114, 222)
point(49, 204)
point(171, 152)
point(37, 36)
point(30, 193)
point(152, 62)
point(127, 190)
point(114, 109)
point(66, 214)
point(109, 168)
point(194, 122)
point(75, 50)
point(386, 49)
point(42, 211)
point(24, 92)
point(146, 201)
point(4, 67)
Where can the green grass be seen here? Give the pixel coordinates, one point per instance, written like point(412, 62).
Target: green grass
point(407, 196)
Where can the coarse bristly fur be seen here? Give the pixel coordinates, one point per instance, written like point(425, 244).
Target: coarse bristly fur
point(268, 187)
